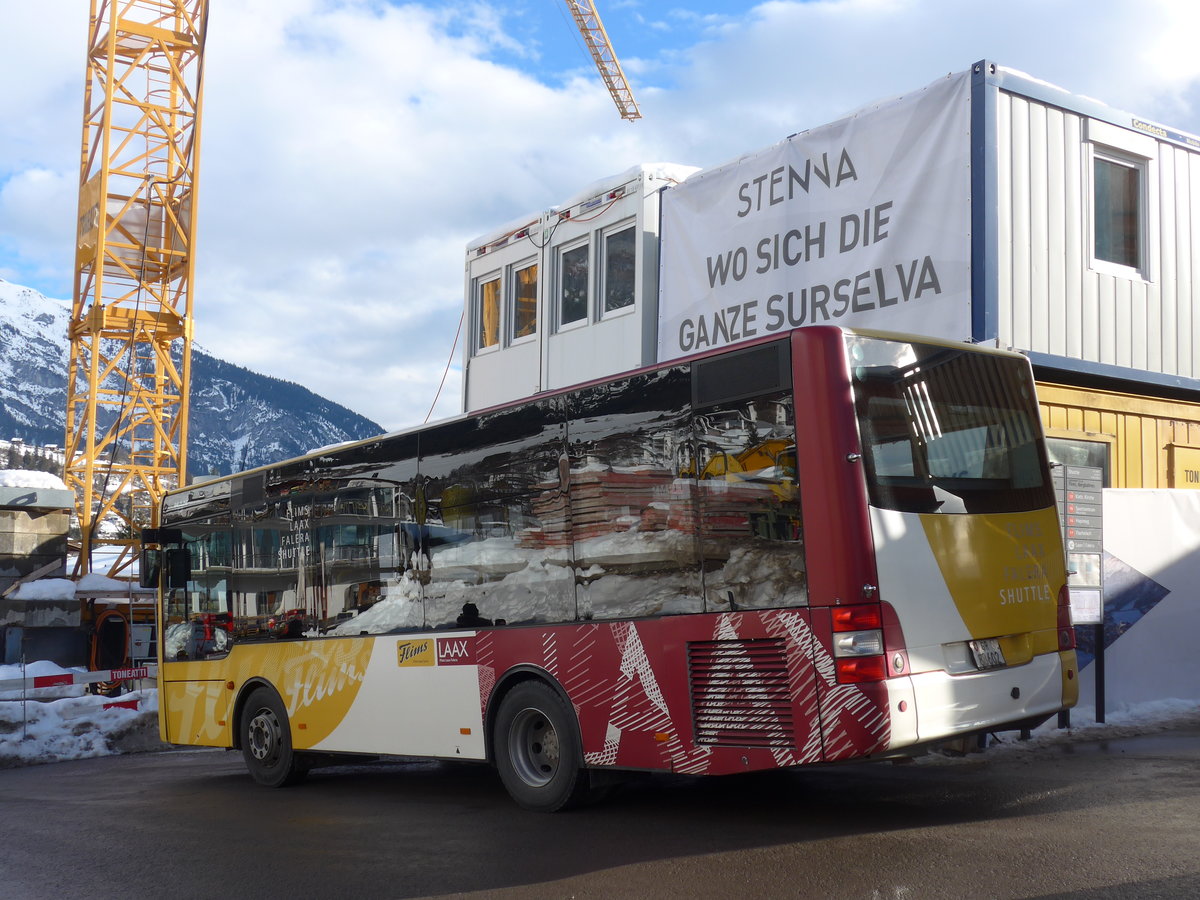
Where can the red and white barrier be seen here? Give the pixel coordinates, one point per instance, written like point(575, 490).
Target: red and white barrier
point(66, 678)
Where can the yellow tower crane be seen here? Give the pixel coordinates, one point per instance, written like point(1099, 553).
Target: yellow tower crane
point(131, 317)
point(587, 20)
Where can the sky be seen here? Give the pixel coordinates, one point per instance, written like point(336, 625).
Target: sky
point(351, 148)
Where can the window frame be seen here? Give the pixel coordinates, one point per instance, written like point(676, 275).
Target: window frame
point(1104, 142)
point(511, 337)
point(477, 347)
point(625, 225)
point(560, 252)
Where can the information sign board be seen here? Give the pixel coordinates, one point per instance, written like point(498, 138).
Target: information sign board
point(1079, 491)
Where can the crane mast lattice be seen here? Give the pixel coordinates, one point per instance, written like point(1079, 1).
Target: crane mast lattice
point(131, 318)
point(587, 20)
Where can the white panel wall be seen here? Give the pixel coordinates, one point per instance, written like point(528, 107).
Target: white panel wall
point(1153, 658)
point(1050, 299)
point(500, 376)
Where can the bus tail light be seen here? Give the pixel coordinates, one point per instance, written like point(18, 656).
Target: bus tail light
point(858, 643)
point(851, 670)
point(857, 618)
point(1066, 631)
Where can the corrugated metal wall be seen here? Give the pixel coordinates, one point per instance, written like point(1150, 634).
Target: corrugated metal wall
point(1049, 299)
point(1142, 429)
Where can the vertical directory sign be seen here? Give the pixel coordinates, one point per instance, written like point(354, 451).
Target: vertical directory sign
point(1079, 492)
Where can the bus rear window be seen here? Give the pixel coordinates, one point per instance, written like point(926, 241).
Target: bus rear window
point(947, 430)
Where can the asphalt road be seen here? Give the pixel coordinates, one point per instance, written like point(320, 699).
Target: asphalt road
point(1105, 819)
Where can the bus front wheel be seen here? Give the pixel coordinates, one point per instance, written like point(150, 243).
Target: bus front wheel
point(537, 749)
point(267, 741)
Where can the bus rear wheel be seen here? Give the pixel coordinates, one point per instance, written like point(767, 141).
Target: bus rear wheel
point(266, 740)
point(537, 749)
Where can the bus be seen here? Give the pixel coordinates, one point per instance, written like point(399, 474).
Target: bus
point(837, 545)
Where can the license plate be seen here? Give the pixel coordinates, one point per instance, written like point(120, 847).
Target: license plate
point(987, 653)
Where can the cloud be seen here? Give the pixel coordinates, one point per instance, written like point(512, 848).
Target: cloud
point(37, 209)
point(350, 150)
point(349, 154)
point(789, 66)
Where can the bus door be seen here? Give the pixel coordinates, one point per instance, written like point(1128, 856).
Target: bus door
point(195, 637)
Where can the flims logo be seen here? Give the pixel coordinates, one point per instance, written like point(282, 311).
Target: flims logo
point(415, 653)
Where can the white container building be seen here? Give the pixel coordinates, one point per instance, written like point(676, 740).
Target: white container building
point(568, 294)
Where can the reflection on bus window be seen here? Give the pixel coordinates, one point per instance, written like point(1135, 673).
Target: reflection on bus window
point(947, 430)
point(492, 518)
point(750, 521)
point(632, 517)
point(197, 619)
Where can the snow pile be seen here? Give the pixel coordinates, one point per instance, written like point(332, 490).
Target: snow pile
point(46, 589)
point(66, 722)
point(37, 670)
point(94, 581)
point(1145, 718)
point(25, 478)
point(66, 589)
point(76, 728)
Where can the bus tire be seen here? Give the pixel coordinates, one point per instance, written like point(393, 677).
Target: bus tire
point(536, 743)
point(266, 739)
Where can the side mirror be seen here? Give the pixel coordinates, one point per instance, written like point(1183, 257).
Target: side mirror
point(150, 568)
point(179, 567)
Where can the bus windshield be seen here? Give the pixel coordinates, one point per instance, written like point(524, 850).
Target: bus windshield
point(947, 430)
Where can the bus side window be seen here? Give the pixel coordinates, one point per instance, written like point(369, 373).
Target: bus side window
point(750, 525)
point(632, 497)
point(494, 518)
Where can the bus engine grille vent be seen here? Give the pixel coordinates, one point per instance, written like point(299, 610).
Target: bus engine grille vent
point(740, 694)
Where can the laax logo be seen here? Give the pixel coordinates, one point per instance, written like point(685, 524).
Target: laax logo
point(415, 653)
point(455, 652)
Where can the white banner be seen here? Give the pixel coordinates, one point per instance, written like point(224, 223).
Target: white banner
point(864, 222)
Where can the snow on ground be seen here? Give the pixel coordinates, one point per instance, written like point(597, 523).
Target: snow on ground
point(1146, 718)
point(76, 728)
point(76, 725)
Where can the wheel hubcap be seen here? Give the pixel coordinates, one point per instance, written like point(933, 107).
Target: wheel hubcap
point(265, 736)
point(533, 747)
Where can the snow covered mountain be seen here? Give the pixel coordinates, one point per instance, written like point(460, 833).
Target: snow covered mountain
point(239, 419)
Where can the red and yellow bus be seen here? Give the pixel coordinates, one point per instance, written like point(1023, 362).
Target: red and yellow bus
point(838, 545)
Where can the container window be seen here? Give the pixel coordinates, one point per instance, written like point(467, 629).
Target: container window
point(524, 313)
point(1117, 198)
point(487, 315)
point(573, 284)
point(1122, 197)
point(619, 269)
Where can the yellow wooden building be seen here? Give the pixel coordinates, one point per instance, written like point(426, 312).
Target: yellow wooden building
point(1152, 442)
